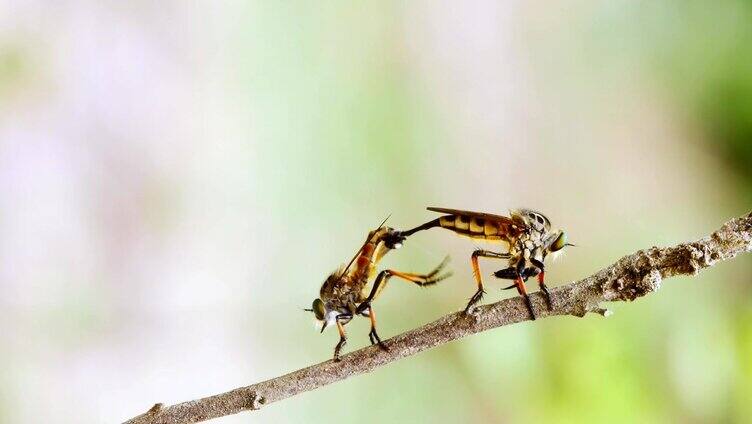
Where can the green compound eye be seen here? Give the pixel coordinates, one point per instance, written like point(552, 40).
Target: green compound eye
point(560, 242)
point(318, 309)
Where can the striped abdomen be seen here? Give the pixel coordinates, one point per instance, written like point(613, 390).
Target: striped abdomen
point(478, 227)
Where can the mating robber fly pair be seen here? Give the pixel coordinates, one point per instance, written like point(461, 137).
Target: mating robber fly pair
point(528, 234)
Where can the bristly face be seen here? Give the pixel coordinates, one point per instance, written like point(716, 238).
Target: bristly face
point(324, 316)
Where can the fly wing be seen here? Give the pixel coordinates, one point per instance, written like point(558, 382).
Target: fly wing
point(475, 224)
point(459, 212)
point(366, 251)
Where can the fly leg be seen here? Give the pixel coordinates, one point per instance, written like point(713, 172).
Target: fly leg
point(541, 281)
point(427, 225)
point(518, 273)
point(366, 309)
point(476, 273)
point(521, 288)
point(373, 336)
point(422, 280)
point(511, 274)
point(342, 336)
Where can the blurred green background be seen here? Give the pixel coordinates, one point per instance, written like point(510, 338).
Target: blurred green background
point(178, 178)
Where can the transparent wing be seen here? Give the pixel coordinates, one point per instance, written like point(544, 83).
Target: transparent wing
point(483, 215)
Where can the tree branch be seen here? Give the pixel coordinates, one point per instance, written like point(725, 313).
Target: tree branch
point(630, 277)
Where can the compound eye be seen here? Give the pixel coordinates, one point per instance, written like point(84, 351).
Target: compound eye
point(560, 242)
point(318, 309)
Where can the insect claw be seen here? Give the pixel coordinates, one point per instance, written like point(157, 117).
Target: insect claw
point(394, 239)
point(376, 340)
point(474, 313)
point(338, 348)
point(546, 295)
point(473, 300)
point(529, 306)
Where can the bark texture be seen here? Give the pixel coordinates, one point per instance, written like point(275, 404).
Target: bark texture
point(627, 279)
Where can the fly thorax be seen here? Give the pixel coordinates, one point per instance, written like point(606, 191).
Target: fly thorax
point(516, 247)
point(529, 245)
point(333, 304)
point(340, 297)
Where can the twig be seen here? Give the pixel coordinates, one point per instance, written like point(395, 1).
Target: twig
point(630, 277)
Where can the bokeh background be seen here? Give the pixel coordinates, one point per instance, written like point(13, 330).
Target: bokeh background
point(177, 179)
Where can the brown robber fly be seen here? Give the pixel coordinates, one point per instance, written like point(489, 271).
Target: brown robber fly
point(528, 234)
point(344, 296)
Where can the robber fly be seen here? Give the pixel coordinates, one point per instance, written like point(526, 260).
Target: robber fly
point(344, 296)
point(528, 234)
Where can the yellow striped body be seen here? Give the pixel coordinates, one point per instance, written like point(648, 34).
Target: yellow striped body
point(476, 227)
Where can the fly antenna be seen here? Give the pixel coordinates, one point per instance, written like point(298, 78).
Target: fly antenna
point(367, 241)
